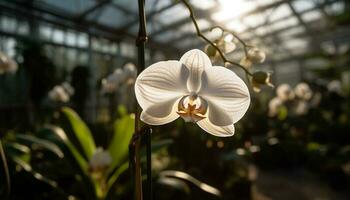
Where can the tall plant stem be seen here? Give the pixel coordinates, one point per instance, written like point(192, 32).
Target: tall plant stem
point(136, 141)
point(6, 172)
point(149, 164)
point(200, 34)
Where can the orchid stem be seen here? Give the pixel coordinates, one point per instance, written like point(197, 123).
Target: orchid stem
point(149, 163)
point(200, 34)
point(135, 144)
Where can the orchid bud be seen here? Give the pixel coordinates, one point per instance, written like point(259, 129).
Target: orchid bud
point(210, 51)
point(246, 63)
point(226, 46)
point(256, 56)
point(261, 78)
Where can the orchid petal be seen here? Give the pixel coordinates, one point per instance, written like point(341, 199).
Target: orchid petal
point(219, 131)
point(159, 86)
point(196, 61)
point(227, 95)
point(148, 117)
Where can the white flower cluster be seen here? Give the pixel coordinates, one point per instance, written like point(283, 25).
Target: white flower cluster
point(7, 64)
point(61, 93)
point(127, 76)
point(300, 99)
point(100, 160)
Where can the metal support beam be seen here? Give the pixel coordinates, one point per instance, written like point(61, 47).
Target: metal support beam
point(98, 5)
point(192, 34)
point(66, 20)
point(149, 16)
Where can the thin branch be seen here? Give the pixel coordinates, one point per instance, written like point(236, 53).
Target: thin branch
point(245, 45)
point(200, 34)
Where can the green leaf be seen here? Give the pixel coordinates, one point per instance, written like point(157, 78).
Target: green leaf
point(35, 174)
point(119, 146)
point(30, 140)
point(5, 175)
point(187, 177)
point(78, 132)
point(79, 163)
point(74, 152)
point(282, 113)
point(116, 174)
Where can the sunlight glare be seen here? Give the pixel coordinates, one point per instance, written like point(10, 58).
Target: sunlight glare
point(230, 9)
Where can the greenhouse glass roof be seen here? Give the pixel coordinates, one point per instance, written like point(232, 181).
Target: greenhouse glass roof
point(281, 27)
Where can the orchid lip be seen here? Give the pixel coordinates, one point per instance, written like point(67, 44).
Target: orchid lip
point(192, 108)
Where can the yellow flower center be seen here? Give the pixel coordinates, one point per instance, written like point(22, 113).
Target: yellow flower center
point(192, 108)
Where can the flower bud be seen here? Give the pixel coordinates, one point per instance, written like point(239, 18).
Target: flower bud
point(256, 56)
point(246, 63)
point(210, 51)
point(226, 46)
point(261, 78)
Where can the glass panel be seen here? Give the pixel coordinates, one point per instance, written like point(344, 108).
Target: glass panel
point(72, 6)
point(58, 36)
point(311, 16)
point(302, 5)
point(280, 12)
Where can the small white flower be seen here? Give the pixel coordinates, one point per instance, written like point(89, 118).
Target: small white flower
point(285, 92)
point(100, 160)
point(58, 94)
point(68, 88)
point(130, 72)
point(7, 64)
point(113, 81)
point(256, 56)
point(274, 105)
point(335, 86)
point(213, 97)
point(301, 108)
point(303, 91)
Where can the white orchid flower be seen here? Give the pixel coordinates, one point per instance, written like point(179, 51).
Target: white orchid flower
point(58, 94)
point(112, 82)
point(7, 64)
point(303, 91)
point(213, 97)
point(100, 160)
point(130, 72)
point(285, 92)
